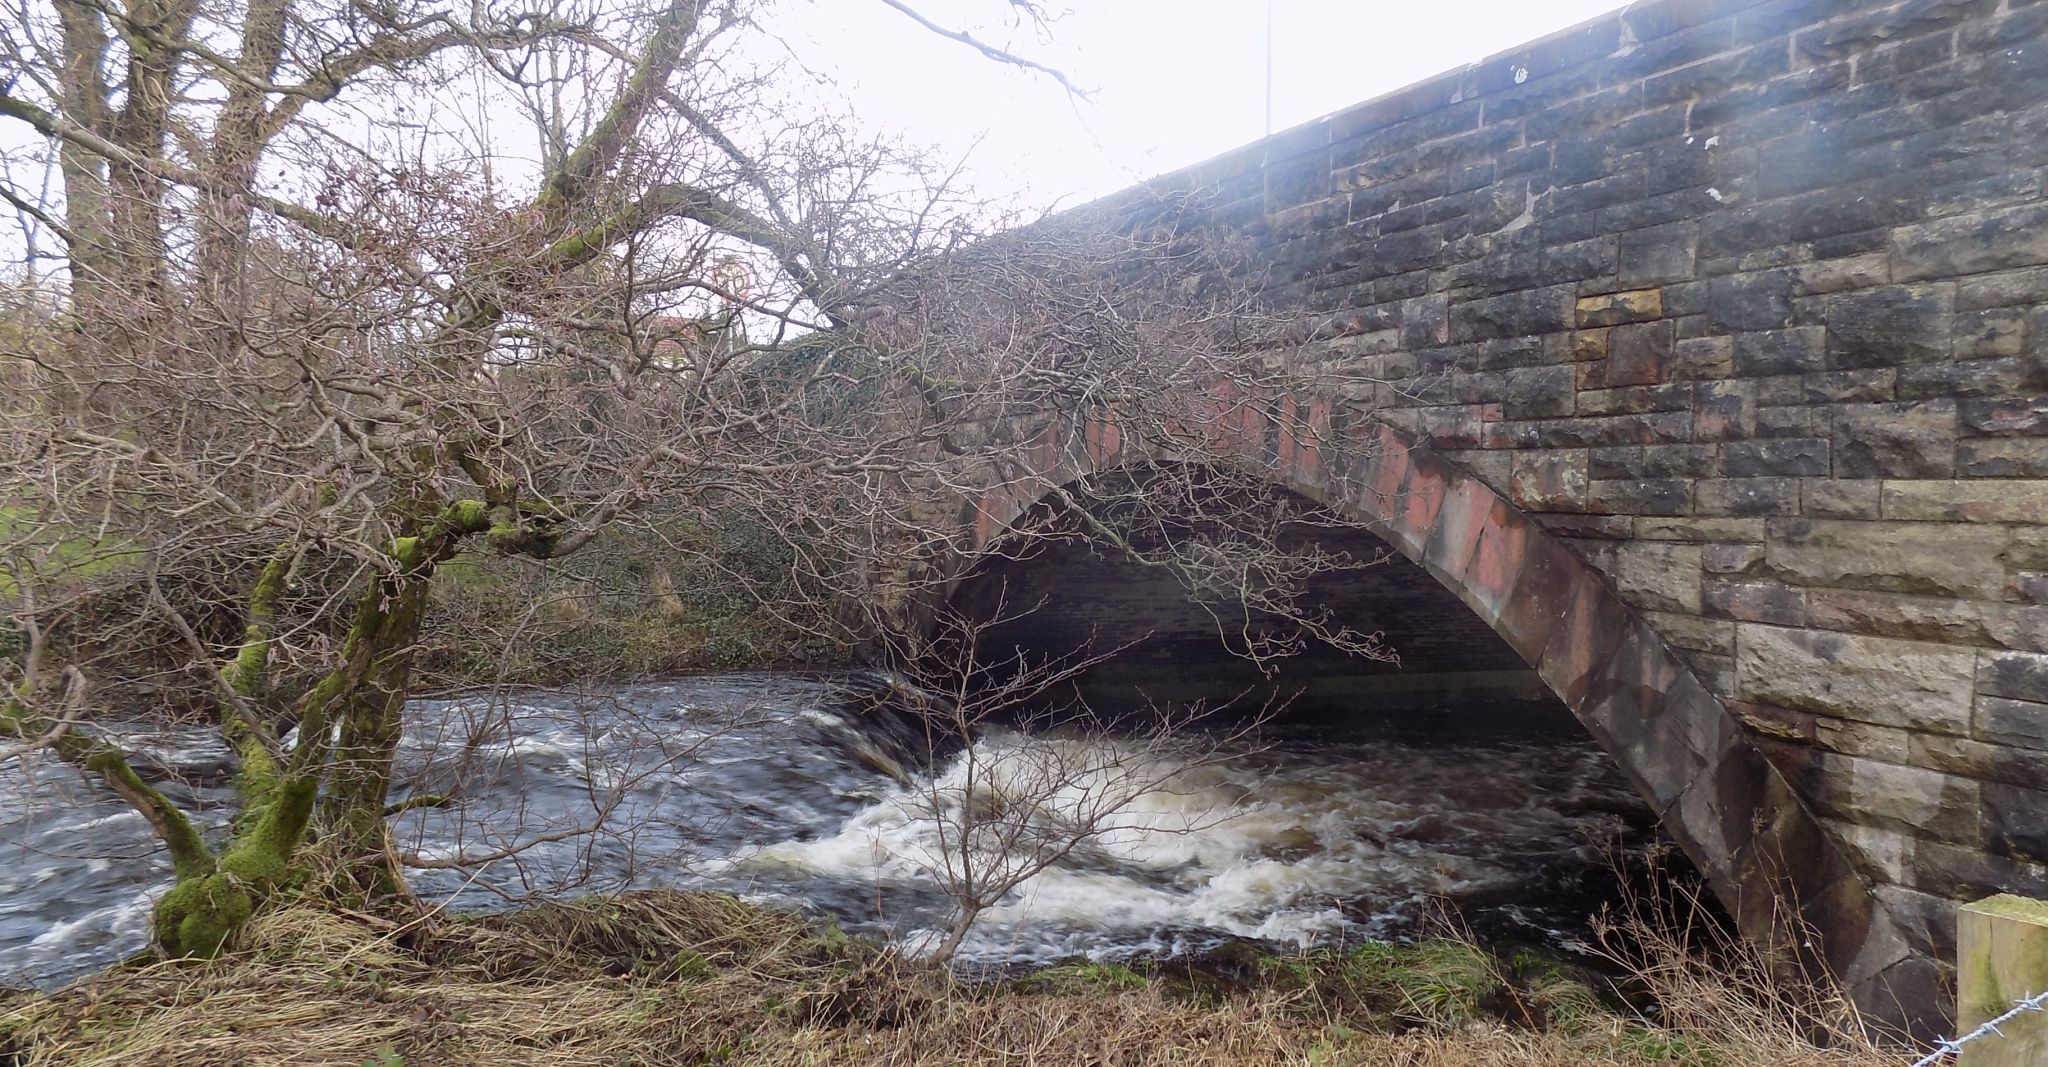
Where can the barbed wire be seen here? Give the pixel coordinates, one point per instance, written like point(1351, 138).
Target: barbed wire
point(1952, 1046)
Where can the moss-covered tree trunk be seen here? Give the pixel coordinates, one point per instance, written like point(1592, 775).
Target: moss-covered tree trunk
point(349, 725)
point(372, 717)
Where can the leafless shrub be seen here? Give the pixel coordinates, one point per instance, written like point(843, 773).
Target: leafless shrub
point(1716, 987)
point(310, 344)
point(1034, 776)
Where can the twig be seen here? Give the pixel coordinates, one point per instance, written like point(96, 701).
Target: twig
point(991, 51)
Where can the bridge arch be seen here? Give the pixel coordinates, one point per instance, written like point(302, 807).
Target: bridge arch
point(1756, 840)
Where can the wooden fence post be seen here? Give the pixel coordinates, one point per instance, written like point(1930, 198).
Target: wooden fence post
point(2002, 958)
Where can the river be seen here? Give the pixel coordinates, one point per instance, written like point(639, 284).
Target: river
point(799, 791)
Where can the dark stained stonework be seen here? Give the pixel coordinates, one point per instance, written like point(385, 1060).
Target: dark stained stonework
point(1716, 383)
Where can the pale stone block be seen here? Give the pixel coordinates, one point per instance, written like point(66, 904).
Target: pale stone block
point(1659, 576)
point(1928, 559)
point(1840, 498)
point(2028, 550)
point(1878, 851)
point(1909, 684)
point(1692, 632)
point(1873, 793)
point(1975, 500)
point(1852, 738)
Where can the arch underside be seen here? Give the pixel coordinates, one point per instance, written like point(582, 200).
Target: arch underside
point(1429, 669)
point(1761, 848)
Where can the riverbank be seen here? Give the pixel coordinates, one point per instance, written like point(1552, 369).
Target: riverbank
point(665, 977)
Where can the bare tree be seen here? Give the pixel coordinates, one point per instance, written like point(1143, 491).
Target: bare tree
point(1033, 776)
point(311, 344)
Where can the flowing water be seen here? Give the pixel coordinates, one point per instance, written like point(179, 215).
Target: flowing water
point(804, 792)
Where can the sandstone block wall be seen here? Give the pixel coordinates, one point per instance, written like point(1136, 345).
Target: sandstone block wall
point(1749, 300)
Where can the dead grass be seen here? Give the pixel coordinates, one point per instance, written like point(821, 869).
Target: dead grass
point(671, 978)
point(1706, 980)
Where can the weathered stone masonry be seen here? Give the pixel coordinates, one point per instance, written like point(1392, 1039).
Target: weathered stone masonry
point(1745, 306)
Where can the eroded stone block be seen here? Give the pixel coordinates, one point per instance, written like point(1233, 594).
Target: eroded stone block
point(2002, 457)
point(1840, 498)
point(1659, 575)
point(1973, 500)
point(1550, 480)
point(2015, 675)
point(1890, 326)
point(1908, 684)
point(1908, 440)
point(1932, 559)
point(1611, 309)
point(1971, 244)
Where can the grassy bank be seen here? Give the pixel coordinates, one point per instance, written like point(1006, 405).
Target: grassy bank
point(672, 978)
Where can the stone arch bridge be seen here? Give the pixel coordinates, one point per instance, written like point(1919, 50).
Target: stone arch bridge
point(1709, 351)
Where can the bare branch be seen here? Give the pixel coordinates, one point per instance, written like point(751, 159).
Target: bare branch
point(1000, 55)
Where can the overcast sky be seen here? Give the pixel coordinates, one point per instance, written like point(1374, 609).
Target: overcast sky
point(1170, 82)
point(1173, 81)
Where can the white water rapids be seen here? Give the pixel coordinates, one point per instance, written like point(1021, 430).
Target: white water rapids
point(773, 787)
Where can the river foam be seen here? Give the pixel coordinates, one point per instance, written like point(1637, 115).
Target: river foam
point(1289, 842)
point(783, 789)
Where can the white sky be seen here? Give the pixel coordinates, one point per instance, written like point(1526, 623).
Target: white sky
point(1173, 82)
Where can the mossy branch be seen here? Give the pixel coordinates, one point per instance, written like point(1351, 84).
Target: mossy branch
point(190, 858)
point(20, 717)
point(615, 129)
point(246, 678)
point(23, 718)
point(419, 803)
point(242, 678)
point(363, 696)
